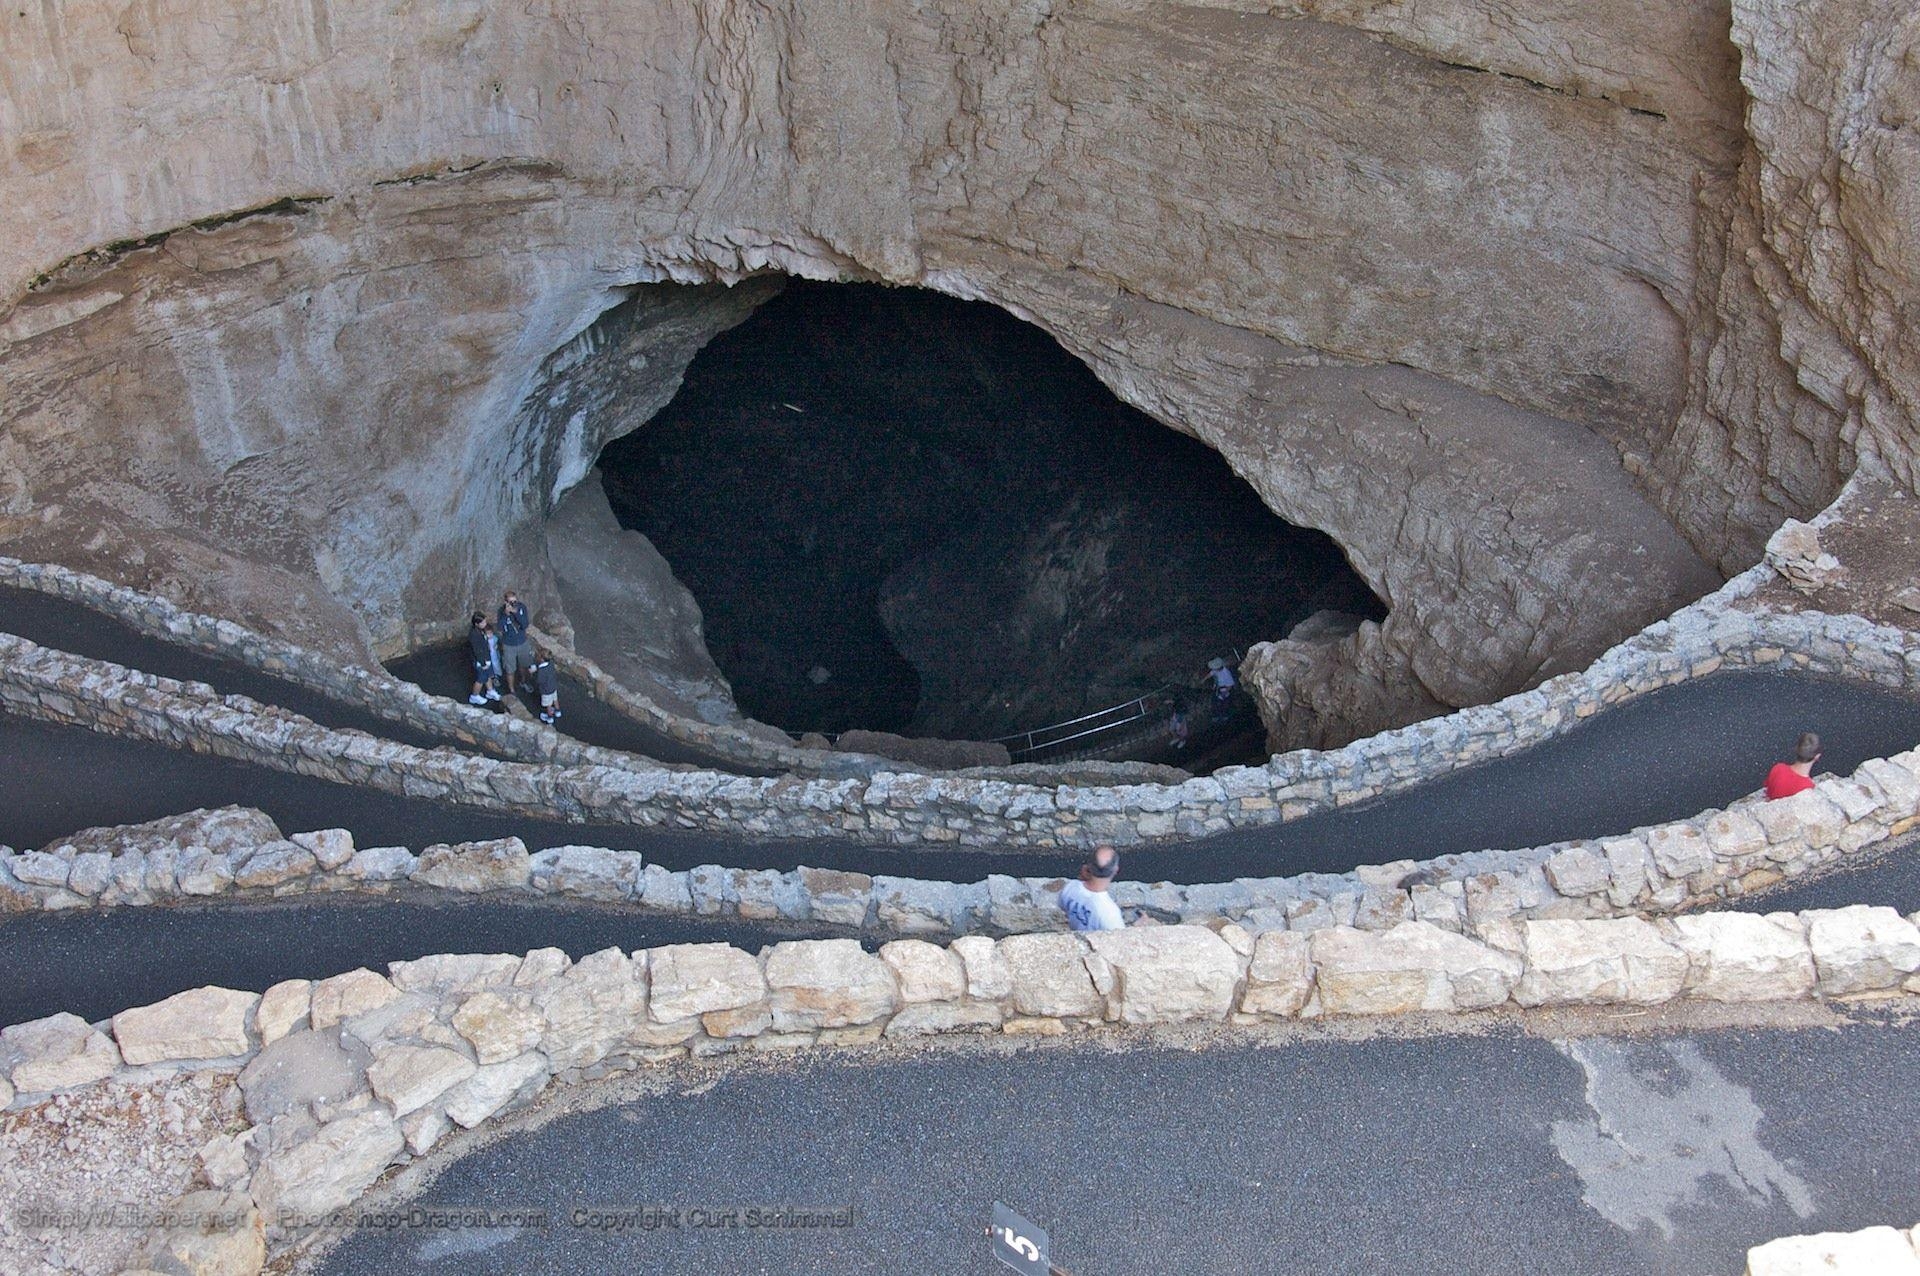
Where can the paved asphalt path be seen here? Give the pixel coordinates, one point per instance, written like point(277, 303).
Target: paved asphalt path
point(1503, 1153)
point(1664, 756)
point(445, 671)
point(96, 963)
point(1889, 876)
point(79, 629)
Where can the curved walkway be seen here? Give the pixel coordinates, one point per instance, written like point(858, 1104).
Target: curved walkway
point(443, 671)
point(97, 962)
point(1494, 1154)
point(1665, 756)
point(78, 629)
point(73, 627)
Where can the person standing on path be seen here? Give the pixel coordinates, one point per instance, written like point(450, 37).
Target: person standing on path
point(1789, 778)
point(547, 683)
point(480, 647)
point(514, 656)
point(1222, 680)
point(1087, 904)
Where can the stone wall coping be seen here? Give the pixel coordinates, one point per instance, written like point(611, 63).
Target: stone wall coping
point(908, 809)
point(453, 1041)
point(1717, 631)
point(1871, 1251)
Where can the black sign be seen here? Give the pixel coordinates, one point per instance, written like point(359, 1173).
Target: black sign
point(1018, 1243)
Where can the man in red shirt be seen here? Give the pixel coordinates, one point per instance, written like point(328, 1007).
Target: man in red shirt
point(1789, 778)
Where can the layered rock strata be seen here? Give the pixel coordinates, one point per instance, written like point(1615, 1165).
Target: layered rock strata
point(284, 283)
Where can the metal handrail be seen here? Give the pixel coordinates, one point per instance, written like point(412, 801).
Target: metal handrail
point(1135, 709)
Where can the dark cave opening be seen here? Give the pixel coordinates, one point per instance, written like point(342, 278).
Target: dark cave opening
point(904, 512)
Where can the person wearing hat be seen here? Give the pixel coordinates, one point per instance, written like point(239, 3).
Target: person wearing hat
point(1087, 903)
point(1222, 680)
point(480, 647)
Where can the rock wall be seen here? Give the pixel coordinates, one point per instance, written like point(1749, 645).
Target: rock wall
point(282, 280)
point(1016, 807)
point(345, 1077)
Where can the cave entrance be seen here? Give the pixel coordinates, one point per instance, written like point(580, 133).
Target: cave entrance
point(904, 512)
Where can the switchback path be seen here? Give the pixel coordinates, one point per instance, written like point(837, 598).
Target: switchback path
point(82, 631)
point(444, 671)
point(1667, 1152)
point(1664, 756)
point(96, 963)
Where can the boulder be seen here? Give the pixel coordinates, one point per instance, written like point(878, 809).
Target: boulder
point(444, 973)
point(36, 868)
point(925, 972)
point(203, 1023)
point(1745, 957)
point(588, 872)
point(499, 1028)
point(1598, 962)
point(836, 898)
point(1579, 870)
point(202, 872)
point(274, 864)
point(1414, 966)
point(221, 831)
point(297, 1186)
point(89, 872)
point(909, 906)
point(827, 983)
point(475, 867)
point(989, 978)
point(694, 979)
point(591, 1009)
point(1279, 976)
point(664, 890)
point(345, 995)
point(409, 1077)
point(1163, 974)
point(1048, 976)
point(332, 848)
point(381, 864)
point(1020, 905)
point(1861, 948)
point(301, 1069)
point(496, 1086)
point(282, 1009)
point(56, 1053)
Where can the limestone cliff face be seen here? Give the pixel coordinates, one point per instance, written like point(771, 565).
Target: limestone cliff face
point(1424, 274)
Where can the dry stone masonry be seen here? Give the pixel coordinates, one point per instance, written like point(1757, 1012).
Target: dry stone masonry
point(347, 1076)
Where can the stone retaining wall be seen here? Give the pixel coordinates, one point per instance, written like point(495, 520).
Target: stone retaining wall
point(919, 809)
point(379, 693)
point(1721, 853)
point(1872, 1251)
point(348, 1076)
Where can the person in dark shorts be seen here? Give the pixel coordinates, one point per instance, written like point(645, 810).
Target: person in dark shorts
point(480, 648)
point(547, 682)
point(1789, 778)
point(511, 624)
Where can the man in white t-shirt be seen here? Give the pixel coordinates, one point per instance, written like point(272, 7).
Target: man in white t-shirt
point(1086, 902)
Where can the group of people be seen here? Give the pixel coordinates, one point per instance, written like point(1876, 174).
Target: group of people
point(1220, 687)
point(503, 654)
point(1089, 903)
